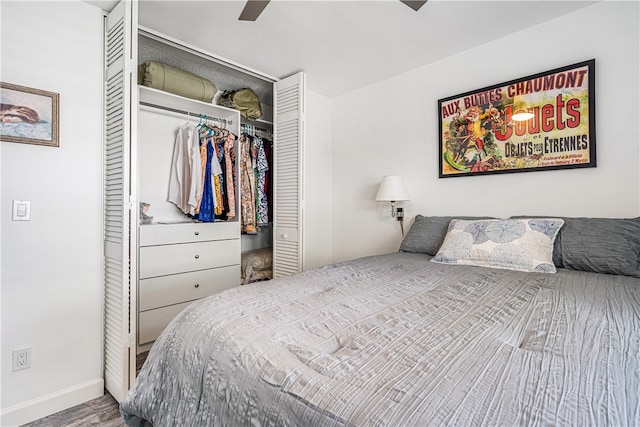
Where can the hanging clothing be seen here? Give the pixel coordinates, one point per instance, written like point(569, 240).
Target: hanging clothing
point(207, 208)
point(268, 149)
point(247, 191)
point(199, 184)
point(203, 167)
point(216, 172)
point(255, 152)
point(185, 175)
point(224, 204)
point(213, 179)
point(230, 174)
point(262, 166)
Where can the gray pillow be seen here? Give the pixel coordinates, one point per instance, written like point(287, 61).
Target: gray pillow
point(427, 233)
point(599, 245)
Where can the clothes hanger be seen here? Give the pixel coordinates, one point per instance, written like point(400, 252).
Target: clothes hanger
point(205, 127)
point(215, 129)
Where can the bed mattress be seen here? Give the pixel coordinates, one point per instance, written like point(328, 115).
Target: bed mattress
point(397, 340)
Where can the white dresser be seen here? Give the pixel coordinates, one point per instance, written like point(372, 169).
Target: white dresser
point(180, 263)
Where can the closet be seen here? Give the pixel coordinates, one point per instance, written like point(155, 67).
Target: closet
point(179, 260)
point(152, 271)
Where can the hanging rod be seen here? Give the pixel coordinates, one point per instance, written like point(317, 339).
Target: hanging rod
point(188, 113)
point(257, 128)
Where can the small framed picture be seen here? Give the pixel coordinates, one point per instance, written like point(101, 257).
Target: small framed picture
point(28, 116)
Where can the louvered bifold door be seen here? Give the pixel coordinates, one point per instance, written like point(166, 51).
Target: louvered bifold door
point(288, 196)
point(117, 139)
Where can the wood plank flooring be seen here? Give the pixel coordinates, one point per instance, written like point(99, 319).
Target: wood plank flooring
point(102, 411)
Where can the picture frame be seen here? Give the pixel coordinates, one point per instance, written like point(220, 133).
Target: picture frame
point(481, 132)
point(28, 115)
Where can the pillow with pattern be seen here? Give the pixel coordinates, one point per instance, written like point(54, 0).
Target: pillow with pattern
point(427, 233)
point(515, 244)
point(599, 245)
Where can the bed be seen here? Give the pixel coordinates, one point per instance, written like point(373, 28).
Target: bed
point(401, 340)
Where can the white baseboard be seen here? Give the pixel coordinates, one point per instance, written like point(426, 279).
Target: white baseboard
point(43, 406)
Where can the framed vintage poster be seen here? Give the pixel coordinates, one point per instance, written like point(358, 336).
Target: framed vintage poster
point(545, 121)
point(28, 115)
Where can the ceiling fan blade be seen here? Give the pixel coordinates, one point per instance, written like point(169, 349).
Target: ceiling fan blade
point(415, 5)
point(253, 9)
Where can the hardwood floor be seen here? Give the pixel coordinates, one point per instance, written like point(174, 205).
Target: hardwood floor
point(102, 411)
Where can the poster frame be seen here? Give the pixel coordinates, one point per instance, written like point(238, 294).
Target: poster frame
point(452, 108)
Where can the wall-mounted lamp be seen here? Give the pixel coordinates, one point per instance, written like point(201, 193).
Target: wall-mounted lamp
point(392, 190)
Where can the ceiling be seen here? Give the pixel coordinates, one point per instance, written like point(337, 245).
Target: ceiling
point(343, 45)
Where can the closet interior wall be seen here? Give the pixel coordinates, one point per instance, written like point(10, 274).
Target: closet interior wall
point(155, 47)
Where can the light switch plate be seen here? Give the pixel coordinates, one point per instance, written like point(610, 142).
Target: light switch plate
point(21, 210)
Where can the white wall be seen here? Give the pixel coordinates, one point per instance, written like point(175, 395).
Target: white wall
point(51, 266)
point(318, 183)
point(391, 128)
point(51, 290)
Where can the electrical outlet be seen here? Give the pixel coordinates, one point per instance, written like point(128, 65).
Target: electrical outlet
point(21, 359)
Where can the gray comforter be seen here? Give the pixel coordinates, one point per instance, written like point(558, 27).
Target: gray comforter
point(396, 340)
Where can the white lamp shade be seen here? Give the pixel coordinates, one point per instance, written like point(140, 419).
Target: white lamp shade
point(392, 189)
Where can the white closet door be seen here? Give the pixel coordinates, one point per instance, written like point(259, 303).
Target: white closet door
point(119, 297)
point(288, 194)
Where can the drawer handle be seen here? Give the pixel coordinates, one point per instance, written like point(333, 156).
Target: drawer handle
point(197, 285)
point(197, 256)
point(285, 236)
point(197, 233)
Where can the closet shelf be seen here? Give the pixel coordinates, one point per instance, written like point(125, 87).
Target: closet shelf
point(168, 101)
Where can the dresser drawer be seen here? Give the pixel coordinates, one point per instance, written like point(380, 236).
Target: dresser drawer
point(176, 288)
point(166, 234)
point(171, 259)
point(152, 322)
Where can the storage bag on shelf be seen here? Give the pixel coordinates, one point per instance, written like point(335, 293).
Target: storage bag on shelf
point(244, 100)
point(179, 82)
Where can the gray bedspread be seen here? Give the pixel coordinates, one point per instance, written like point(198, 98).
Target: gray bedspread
point(396, 340)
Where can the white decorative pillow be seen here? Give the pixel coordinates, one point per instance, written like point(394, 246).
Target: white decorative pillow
point(515, 244)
